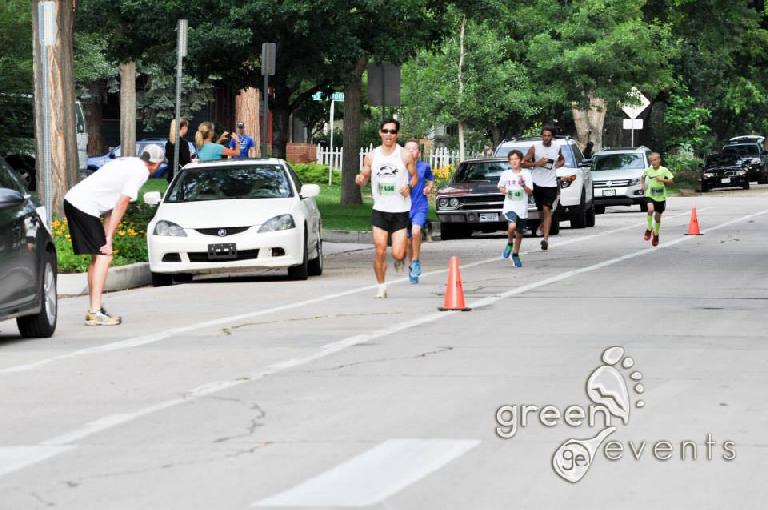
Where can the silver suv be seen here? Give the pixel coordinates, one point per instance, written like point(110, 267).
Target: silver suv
point(616, 176)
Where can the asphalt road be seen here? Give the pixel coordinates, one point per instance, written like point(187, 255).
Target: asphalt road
point(261, 392)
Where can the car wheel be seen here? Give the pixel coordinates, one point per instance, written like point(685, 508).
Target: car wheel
point(447, 231)
point(161, 279)
point(183, 278)
point(599, 209)
point(763, 178)
point(316, 264)
point(579, 213)
point(746, 185)
point(301, 272)
point(43, 324)
point(704, 188)
point(591, 216)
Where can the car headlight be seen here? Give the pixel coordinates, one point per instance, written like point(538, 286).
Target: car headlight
point(454, 202)
point(565, 183)
point(168, 228)
point(448, 203)
point(281, 222)
point(633, 182)
point(708, 175)
point(442, 203)
point(741, 172)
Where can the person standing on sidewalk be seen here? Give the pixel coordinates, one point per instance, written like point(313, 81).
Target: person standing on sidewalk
point(392, 171)
point(419, 210)
point(544, 158)
point(516, 184)
point(207, 149)
point(170, 146)
point(246, 142)
point(107, 192)
point(655, 194)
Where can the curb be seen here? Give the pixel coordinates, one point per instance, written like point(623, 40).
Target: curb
point(120, 278)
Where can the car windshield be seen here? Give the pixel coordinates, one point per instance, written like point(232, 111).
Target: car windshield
point(488, 171)
point(230, 182)
point(742, 150)
point(626, 161)
point(722, 160)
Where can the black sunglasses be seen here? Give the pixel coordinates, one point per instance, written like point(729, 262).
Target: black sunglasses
point(389, 131)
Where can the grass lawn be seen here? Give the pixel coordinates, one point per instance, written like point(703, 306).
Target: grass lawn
point(335, 216)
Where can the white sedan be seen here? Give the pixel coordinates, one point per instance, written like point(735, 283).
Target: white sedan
point(234, 215)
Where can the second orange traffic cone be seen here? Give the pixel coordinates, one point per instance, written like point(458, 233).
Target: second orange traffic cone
point(693, 225)
point(454, 291)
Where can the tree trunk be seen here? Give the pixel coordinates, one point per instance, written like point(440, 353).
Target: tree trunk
point(128, 109)
point(589, 123)
point(247, 111)
point(461, 86)
point(281, 116)
point(53, 64)
point(93, 118)
point(350, 165)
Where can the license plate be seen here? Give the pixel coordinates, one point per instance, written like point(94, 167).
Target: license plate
point(222, 251)
point(727, 180)
point(485, 217)
point(609, 192)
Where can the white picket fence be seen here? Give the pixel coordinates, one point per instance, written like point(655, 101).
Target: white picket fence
point(441, 156)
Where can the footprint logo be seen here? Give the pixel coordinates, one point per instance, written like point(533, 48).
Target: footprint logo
point(606, 386)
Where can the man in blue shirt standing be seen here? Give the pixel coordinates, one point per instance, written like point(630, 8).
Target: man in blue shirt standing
point(419, 210)
point(246, 142)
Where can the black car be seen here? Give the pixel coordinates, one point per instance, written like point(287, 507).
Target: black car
point(753, 155)
point(726, 170)
point(27, 261)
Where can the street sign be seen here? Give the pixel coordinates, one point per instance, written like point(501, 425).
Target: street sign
point(633, 123)
point(336, 96)
point(383, 85)
point(634, 110)
point(268, 54)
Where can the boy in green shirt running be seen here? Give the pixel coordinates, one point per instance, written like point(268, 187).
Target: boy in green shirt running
point(656, 194)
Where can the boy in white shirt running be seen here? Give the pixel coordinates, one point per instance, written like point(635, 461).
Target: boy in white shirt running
point(517, 185)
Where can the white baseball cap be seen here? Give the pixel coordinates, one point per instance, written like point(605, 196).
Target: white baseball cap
point(153, 154)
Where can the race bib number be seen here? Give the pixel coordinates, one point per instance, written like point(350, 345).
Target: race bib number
point(515, 194)
point(387, 188)
point(657, 191)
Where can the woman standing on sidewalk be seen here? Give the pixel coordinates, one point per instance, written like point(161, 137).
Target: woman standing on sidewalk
point(207, 149)
point(170, 147)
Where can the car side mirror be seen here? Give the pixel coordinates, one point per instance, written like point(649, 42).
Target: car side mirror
point(10, 198)
point(152, 198)
point(309, 190)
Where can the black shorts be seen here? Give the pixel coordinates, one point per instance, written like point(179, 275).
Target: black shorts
point(389, 221)
point(86, 231)
point(657, 206)
point(544, 196)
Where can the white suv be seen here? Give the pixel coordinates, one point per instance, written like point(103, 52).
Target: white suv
point(576, 203)
point(617, 174)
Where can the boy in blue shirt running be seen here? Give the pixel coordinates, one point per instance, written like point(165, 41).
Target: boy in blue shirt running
point(419, 210)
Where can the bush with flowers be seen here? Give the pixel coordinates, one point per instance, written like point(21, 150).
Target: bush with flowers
point(129, 243)
point(443, 175)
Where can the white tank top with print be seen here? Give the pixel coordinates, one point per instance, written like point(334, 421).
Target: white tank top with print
point(388, 176)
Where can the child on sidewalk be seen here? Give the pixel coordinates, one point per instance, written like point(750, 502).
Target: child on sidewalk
point(516, 184)
point(656, 194)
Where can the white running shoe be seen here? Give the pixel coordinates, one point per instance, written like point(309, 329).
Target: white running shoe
point(382, 292)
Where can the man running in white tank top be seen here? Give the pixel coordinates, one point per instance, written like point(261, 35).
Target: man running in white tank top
point(392, 171)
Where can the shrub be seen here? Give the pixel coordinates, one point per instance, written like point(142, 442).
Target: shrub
point(443, 175)
point(311, 172)
point(685, 168)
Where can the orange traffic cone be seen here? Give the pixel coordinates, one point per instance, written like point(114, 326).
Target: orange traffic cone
point(693, 225)
point(454, 291)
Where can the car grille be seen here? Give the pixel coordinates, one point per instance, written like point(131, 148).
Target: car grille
point(202, 256)
point(720, 172)
point(619, 183)
point(480, 202)
point(222, 231)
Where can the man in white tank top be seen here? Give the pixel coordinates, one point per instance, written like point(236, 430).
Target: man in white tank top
point(544, 158)
point(392, 170)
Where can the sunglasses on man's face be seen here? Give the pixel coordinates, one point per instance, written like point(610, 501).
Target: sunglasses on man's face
point(389, 131)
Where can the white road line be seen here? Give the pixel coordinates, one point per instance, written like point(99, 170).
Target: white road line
point(373, 476)
point(13, 458)
point(343, 344)
point(169, 333)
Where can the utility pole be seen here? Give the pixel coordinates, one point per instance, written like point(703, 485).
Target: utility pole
point(181, 52)
point(268, 57)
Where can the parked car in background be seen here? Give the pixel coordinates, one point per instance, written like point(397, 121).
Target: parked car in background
point(472, 202)
point(27, 260)
point(232, 215)
point(617, 173)
point(576, 200)
point(751, 149)
point(727, 170)
point(96, 162)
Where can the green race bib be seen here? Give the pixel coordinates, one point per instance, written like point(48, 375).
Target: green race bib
point(386, 188)
point(515, 194)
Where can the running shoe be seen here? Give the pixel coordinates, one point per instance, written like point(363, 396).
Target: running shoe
point(101, 318)
point(516, 260)
point(544, 244)
point(399, 264)
point(647, 235)
point(507, 251)
point(655, 240)
point(382, 291)
point(414, 271)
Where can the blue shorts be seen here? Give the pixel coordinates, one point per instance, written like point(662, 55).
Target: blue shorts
point(418, 218)
point(512, 217)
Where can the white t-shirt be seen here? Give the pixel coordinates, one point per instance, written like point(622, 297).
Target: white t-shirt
point(516, 199)
point(545, 177)
point(388, 176)
point(98, 193)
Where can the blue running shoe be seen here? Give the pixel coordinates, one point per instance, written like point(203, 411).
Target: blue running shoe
point(413, 278)
point(516, 260)
point(416, 265)
point(507, 251)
